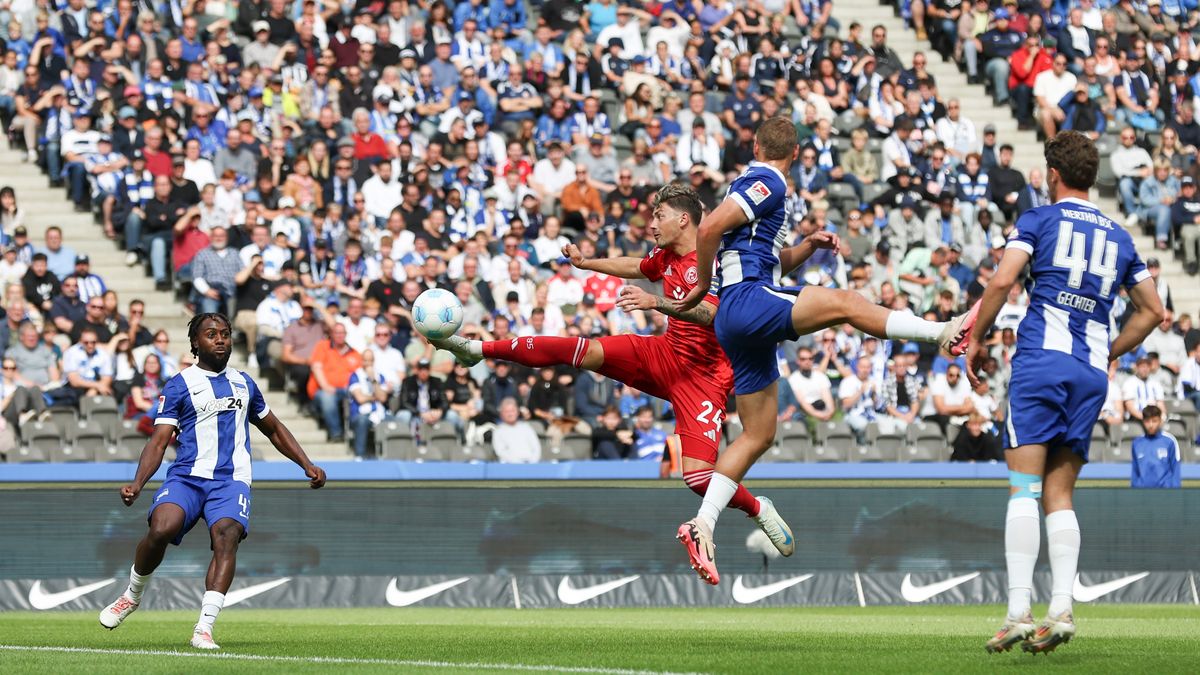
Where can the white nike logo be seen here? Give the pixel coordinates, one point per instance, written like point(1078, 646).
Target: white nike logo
point(41, 599)
point(1089, 593)
point(574, 596)
point(398, 598)
point(913, 593)
point(242, 594)
point(746, 595)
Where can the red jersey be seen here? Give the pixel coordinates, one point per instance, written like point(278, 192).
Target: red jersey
point(695, 343)
point(604, 288)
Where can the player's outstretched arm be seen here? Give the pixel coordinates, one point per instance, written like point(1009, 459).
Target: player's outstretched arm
point(151, 459)
point(286, 444)
point(722, 219)
point(1149, 313)
point(994, 295)
point(625, 267)
point(794, 256)
point(632, 298)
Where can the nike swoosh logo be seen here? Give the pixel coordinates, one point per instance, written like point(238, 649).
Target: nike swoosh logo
point(746, 595)
point(573, 596)
point(913, 593)
point(41, 599)
point(1089, 593)
point(243, 594)
point(398, 598)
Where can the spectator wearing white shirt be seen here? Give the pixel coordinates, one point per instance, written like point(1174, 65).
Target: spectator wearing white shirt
point(550, 243)
point(382, 193)
point(696, 148)
point(360, 328)
point(564, 290)
point(513, 440)
point(552, 174)
point(957, 133)
point(1189, 378)
point(1013, 310)
point(812, 388)
point(389, 362)
point(628, 29)
point(1130, 163)
point(273, 257)
point(88, 368)
point(859, 396)
point(274, 314)
point(1164, 341)
point(1049, 87)
point(1140, 390)
point(952, 400)
point(196, 168)
point(895, 150)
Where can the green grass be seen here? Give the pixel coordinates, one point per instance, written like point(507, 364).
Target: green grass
point(1112, 638)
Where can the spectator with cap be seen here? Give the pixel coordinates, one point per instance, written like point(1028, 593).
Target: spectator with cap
point(88, 368)
point(422, 399)
point(90, 285)
point(1082, 113)
point(12, 270)
point(1185, 218)
point(128, 135)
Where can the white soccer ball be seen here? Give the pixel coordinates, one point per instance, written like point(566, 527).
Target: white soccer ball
point(437, 314)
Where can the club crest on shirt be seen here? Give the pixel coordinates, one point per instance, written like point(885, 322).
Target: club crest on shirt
point(691, 276)
point(758, 192)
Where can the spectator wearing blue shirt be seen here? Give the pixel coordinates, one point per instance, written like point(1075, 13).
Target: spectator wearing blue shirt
point(996, 45)
point(1156, 458)
point(472, 9)
point(508, 15)
point(649, 442)
point(741, 109)
point(554, 125)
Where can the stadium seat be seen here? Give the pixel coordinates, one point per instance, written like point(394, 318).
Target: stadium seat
point(733, 429)
point(835, 443)
point(665, 426)
point(126, 446)
point(839, 193)
point(792, 451)
point(88, 438)
point(49, 440)
point(872, 191)
point(884, 448)
point(1120, 451)
point(394, 440)
point(101, 409)
point(1099, 443)
point(63, 418)
point(441, 442)
point(26, 454)
point(575, 448)
point(925, 444)
point(474, 453)
point(846, 122)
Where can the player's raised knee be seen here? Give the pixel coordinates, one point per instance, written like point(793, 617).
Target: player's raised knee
point(226, 534)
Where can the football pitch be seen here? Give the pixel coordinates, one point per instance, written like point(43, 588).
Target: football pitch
point(1112, 638)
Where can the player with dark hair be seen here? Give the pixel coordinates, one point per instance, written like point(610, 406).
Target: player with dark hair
point(755, 313)
point(685, 366)
point(211, 407)
point(1077, 258)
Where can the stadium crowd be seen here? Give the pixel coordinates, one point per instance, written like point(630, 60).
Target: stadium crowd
point(311, 167)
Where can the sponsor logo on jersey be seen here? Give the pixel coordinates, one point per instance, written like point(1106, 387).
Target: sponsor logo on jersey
point(691, 276)
point(758, 192)
point(745, 595)
point(1084, 593)
point(574, 596)
point(398, 598)
point(914, 593)
point(41, 599)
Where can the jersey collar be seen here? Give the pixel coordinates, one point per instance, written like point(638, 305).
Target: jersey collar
point(1081, 202)
point(209, 373)
point(768, 166)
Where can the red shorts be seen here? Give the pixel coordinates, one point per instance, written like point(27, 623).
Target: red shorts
point(697, 392)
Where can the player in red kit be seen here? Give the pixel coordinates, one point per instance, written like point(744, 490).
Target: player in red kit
point(685, 366)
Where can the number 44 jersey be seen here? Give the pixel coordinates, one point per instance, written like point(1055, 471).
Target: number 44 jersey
point(212, 412)
point(1079, 259)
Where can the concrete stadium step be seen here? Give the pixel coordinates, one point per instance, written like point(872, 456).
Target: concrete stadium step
point(1028, 151)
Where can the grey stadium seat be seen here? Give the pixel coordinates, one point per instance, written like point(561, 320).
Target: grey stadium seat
point(64, 418)
point(102, 409)
point(575, 448)
point(836, 443)
point(394, 440)
point(441, 442)
point(925, 444)
point(1099, 443)
point(26, 454)
point(885, 448)
point(1121, 451)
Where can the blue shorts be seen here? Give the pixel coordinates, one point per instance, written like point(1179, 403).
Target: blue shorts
point(751, 320)
point(1054, 400)
point(212, 499)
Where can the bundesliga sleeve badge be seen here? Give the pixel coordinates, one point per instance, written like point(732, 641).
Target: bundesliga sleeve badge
point(758, 192)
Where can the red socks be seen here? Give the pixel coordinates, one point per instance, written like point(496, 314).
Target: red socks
point(742, 499)
point(538, 351)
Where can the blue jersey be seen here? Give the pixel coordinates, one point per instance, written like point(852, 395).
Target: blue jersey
point(1078, 258)
point(751, 250)
point(1155, 462)
point(212, 412)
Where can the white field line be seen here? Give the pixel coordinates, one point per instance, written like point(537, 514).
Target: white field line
point(333, 660)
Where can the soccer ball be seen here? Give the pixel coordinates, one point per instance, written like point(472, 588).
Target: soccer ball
point(437, 314)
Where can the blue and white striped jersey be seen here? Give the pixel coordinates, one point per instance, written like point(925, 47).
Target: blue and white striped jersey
point(212, 412)
point(751, 250)
point(1078, 258)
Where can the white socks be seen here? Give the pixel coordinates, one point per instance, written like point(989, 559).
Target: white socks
point(1022, 538)
point(1062, 536)
point(720, 490)
point(210, 607)
point(137, 584)
point(475, 347)
point(906, 326)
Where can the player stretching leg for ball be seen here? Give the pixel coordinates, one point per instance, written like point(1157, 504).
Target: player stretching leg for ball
point(212, 407)
point(1077, 257)
point(755, 313)
point(685, 366)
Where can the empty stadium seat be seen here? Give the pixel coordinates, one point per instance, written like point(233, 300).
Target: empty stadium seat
point(26, 454)
point(792, 442)
point(394, 440)
point(63, 418)
point(125, 444)
point(780, 452)
point(1099, 443)
point(474, 453)
point(49, 440)
point(441, 442)
point(835, 443)
point(575, 448)
point(884, 448)
point(925, 443)
point(1120, 451)
point(101, 409)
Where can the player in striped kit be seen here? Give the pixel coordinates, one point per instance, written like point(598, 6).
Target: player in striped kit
point(211, 407)
point(1077, 258)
